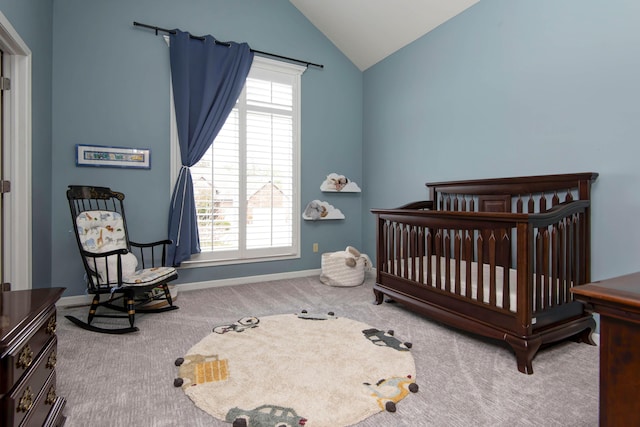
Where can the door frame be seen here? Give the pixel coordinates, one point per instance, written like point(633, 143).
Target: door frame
point(17, 158)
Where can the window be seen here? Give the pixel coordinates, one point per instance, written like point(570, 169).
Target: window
point(246, 185)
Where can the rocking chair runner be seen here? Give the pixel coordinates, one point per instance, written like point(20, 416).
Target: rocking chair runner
point(110, 262)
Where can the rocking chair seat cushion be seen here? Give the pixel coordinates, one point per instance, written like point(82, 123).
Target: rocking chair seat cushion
point(148, 276)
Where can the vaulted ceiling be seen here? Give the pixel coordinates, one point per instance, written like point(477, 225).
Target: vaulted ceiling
point(367, 31)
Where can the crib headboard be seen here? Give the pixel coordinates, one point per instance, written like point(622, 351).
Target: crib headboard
point(526, 194)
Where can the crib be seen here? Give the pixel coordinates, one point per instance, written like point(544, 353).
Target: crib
point(494, 257)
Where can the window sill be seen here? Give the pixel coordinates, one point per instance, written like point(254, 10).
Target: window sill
point(202, 260)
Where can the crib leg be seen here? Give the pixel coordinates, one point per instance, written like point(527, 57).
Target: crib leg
point(525, 351)
point(379, 297)
point(586, 335)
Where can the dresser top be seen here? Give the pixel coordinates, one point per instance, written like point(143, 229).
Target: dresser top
point(19, 308)
point(622, 291)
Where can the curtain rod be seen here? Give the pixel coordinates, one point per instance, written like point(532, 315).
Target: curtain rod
point(259, 52)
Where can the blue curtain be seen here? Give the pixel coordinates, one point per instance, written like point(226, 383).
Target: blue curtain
point(207, 79)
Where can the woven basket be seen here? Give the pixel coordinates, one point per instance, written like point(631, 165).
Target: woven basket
point(336, 273)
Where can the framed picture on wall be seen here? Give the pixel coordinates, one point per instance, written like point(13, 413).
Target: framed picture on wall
point(113, 157)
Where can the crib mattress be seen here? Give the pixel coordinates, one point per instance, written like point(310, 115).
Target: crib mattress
point(485, 270)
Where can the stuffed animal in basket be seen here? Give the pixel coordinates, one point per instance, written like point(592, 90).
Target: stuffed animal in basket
point(344, 268)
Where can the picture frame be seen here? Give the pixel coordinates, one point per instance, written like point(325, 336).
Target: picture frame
point(113, 157)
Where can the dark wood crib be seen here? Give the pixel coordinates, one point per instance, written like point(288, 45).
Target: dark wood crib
point(495, 257)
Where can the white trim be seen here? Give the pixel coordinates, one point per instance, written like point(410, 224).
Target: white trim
point(185, 287)
point(17, 157)
point(278, 66)
point(246, 280)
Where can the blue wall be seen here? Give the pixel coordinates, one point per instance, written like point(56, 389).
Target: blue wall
point(514, 88)
point(505, 88)
point(111, 87)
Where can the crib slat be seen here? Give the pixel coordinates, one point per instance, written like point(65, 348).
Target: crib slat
point(492, 269)
point(564, 289)
point(420, 254)
point(447, 263)
point(555, 294)
point(545, 269)
point(468, 254)
point(429, 246)
point(384, 247)
point(531, 205)
point(576, 251)
point(537, 305)
point(479, 267)
point(582, 262)
point(568, 197)
point(404, 250)
point(412, 252)
point(506, 295)
point(395, 247)
point(438, 247)
point(457, 256)
point(568, 253)
point(447, 203)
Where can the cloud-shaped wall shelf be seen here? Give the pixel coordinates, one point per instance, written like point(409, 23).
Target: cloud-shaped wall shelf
point(319, 210)
point(339, 183)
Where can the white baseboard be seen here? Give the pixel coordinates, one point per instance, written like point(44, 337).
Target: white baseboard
point(185, 287)
point(245, 280)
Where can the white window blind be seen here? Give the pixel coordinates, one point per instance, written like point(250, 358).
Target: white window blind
point(246, 185)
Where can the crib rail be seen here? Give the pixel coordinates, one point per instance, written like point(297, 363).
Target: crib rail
point(482, 258)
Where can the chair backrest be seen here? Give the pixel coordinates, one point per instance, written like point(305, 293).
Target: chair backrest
point(101, 231)
point(99, 224)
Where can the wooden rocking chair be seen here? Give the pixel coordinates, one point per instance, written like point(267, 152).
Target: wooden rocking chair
point(116, 267)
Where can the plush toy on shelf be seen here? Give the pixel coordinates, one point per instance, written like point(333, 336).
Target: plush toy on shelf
point(319, 210)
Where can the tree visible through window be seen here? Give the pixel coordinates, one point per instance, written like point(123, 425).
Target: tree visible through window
point(246, 185)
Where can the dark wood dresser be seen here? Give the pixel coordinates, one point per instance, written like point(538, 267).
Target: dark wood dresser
point(28, 359)
point(617, 300)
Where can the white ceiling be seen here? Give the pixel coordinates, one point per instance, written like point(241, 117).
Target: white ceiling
point(367, 31)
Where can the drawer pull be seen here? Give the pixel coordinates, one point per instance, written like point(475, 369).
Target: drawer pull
point(25, 357)
point(51, 396)
point(51, 326)
point(52, 360)
point(26, 401)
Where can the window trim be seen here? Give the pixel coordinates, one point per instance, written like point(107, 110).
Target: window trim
point(203, 259)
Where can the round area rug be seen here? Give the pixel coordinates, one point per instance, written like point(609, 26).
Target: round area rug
point(297, 369)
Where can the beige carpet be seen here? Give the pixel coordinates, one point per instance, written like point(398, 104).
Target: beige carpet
point(309, 369)
point(127, 380)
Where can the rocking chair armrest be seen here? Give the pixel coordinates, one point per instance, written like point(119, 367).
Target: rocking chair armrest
point(151, 244)
point(121, 251)
point(151, 261)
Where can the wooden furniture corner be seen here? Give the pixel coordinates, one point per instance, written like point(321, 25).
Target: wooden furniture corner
point(617, 300)
point(28, 350)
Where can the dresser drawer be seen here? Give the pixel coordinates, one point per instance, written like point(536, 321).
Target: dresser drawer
point(45, 401)
point(23, 353)
point(26, 399)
